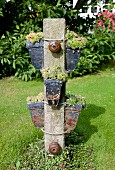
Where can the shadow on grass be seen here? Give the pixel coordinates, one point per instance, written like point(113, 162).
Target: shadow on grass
point(84, 129)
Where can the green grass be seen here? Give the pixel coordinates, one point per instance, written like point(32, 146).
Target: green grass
point(96, 123)
point(16, 129)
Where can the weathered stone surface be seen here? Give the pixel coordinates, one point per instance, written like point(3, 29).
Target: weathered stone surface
point(54, 125)
point(54, 29)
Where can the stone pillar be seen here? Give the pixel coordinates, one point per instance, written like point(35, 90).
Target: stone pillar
point(54, 29)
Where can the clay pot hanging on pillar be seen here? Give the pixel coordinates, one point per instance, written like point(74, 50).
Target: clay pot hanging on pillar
point(71, 116)
point(37, 113)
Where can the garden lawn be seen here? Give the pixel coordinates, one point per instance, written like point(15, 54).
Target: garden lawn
point(16, 128)
point(96, 123)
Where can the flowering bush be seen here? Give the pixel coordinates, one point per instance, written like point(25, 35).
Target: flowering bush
point(106, 20)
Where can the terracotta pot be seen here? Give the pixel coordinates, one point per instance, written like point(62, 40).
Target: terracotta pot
point(37, 113)
point(71, 116)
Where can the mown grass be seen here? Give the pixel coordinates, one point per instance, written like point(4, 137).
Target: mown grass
point(96, 123)
point(16, 129)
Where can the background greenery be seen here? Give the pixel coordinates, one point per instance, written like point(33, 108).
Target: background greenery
point(96, 124)
point(17, 20)
point(95, 128)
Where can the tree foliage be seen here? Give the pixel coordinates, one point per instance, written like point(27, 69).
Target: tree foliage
point(33, 12)
point(18, 18)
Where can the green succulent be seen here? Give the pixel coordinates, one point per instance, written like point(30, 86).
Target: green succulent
point(72, 99)
point(74, 40)
point(55, 72)
point(35, 99)
point(34, 37)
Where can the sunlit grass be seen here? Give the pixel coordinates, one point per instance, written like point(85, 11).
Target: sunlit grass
point(16, 128)
point(96, 123)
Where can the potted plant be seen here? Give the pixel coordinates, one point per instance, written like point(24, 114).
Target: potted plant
point(74, 45)
point(54, 77)
point(34, 45)
point(36, 106)
point(73, 106)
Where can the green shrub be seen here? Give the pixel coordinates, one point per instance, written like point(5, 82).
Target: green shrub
point(101, 45)
point(100, 49)
point(14, 57)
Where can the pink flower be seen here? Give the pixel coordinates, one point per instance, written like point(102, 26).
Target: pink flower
point(62, 166)
point(99, 14)
point(106, 20)
point(111, 24)
point(104, 12)
point(100, 23)
point(109, 14)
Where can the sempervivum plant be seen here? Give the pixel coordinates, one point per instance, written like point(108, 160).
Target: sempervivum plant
point(55, 72)
point(72, 99)
point(35, 99)
point(74, 40)
point(34, 37)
